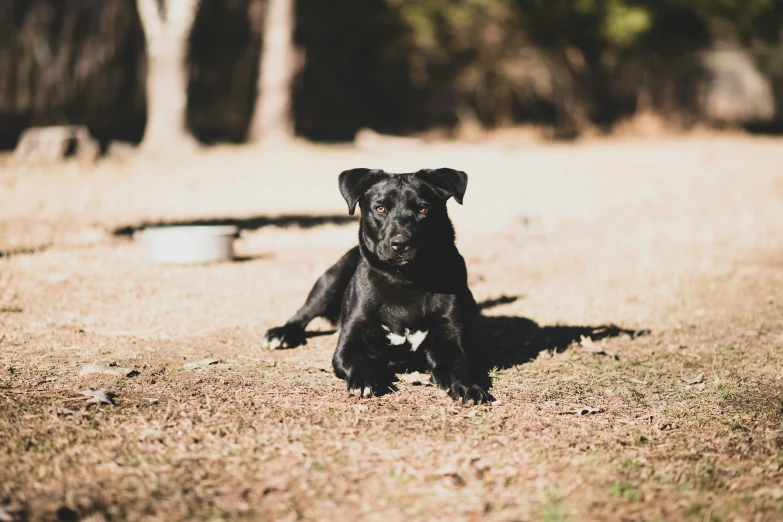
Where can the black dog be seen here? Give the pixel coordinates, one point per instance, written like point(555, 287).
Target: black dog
point(401, 297)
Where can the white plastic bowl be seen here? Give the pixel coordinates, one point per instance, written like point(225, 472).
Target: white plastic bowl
point(189, 245)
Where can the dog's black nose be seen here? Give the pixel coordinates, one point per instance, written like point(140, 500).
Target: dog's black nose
point(399, 243)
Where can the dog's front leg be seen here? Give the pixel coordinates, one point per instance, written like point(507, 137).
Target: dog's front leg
point(358, 359)
point(324, 300)
point(449, 363)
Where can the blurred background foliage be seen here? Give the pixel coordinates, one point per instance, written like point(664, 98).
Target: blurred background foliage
point(403, 66)
point(578, 62)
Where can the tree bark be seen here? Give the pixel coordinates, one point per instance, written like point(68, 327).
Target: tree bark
point(167, 28)
point(272, 113)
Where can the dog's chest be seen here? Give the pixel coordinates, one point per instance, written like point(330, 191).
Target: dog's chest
point(404, 318)
point(412, 338)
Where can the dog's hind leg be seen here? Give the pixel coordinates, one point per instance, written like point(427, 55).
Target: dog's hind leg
point(324, 300)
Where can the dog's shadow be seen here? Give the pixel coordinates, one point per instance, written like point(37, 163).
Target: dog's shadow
point(502, 342)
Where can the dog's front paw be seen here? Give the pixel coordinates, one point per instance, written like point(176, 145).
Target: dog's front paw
point(287, 336)
point(468, 392)
point(362, 383)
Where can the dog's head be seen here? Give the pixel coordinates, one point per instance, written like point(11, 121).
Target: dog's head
point(403, 214)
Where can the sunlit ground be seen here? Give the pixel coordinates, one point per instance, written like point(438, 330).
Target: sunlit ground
point(681, 237)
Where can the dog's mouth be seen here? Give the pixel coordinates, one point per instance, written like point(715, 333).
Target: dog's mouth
point(397, 259)
point(406, 258)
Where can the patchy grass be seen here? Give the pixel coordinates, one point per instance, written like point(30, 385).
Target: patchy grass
point(625, 490)
point(553, 510)
point(645, 236)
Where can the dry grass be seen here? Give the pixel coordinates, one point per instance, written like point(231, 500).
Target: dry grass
point(680, 238)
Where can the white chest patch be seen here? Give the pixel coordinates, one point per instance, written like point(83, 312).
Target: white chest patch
point(414, 338)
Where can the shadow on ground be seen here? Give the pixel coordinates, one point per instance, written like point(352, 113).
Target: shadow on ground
point(246, 223)
point(507, 341)
point(503, 342)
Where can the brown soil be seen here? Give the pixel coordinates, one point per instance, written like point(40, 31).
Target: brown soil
point(683, 238)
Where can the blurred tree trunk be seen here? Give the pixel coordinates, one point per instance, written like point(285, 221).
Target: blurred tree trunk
point(167, 25)
point(272, 113)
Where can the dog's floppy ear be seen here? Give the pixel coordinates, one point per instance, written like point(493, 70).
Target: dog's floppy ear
point(446, 182)
point(355, 182)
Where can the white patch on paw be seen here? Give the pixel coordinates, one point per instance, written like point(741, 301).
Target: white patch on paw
point(274, 343)
point(363, 392)
point(414, 338)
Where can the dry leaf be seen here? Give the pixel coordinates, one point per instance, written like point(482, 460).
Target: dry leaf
point(200, 364)
point(637, 381)
point(98, 397)
point(774, 492)
point(11, 512)
point(452, 473)
point(696, 380)
point(415, 378)
point(110, 369)
point(588, 345)
point(586, 410)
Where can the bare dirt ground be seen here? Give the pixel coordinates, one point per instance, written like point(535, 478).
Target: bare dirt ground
point(680, 242)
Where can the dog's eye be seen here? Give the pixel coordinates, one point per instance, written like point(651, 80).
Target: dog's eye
point(380, 208)
point(422, 210)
